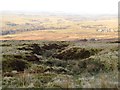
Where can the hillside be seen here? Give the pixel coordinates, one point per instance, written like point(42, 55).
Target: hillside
point(43, 64)
point(59, 51)
point(57, 27)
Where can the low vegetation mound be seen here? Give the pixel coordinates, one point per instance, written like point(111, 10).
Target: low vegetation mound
point(47, 49)
point(55, 46)
point(18, 65)
point(76, 53)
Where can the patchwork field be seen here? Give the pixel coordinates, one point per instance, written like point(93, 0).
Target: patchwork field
point(57, 27)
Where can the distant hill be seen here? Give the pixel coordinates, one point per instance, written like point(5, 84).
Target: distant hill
point(69, 26)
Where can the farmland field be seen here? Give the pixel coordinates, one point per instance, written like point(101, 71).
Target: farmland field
point(57, 27)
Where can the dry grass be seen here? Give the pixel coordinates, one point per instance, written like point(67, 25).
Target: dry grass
point(72, 32)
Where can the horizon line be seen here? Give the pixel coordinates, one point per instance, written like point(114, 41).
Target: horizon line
point(55, 12)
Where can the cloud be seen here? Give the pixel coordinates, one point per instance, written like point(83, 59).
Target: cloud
point(67, 6)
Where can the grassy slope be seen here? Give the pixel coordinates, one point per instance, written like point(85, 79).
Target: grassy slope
point(42, 66)
point(99, 71)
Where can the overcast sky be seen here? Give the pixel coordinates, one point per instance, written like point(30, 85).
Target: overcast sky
point(64, 6)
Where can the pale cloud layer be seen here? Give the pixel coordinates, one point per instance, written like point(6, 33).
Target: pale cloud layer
point(65, 6)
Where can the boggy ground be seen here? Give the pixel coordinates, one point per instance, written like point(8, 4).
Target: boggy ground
point(60, 64)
